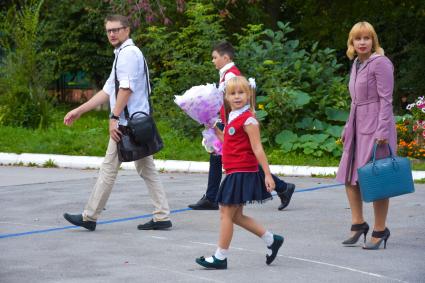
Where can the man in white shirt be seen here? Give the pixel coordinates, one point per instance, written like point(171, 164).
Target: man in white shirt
point(133, 93)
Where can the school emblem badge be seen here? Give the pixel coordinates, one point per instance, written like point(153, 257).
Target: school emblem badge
point(232, 131)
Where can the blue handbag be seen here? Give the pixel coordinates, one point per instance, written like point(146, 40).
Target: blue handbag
point(385, 178)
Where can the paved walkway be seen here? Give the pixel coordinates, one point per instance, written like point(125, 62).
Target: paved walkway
point(92, 162)
point(38, 245)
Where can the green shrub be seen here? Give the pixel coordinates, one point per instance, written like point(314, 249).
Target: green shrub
point(183, 60)
point(26, 69)
point(299, 91)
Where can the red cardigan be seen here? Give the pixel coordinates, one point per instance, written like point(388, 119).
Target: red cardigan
point(237, 151)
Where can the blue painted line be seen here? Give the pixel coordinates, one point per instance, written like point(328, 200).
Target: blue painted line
point(14, 235)
point(318, 188)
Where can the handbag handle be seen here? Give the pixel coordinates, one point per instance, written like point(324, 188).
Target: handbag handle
point(373, 158)
point(146, 114)
point(375, 146)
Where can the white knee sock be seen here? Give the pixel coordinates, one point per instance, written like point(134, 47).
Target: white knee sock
point(268, 238)
point(220, 254)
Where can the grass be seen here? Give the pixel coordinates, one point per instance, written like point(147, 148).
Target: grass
point(89, 136)
point(278, 157)
point(49, 164)
point(420, 166)
point(326, 176)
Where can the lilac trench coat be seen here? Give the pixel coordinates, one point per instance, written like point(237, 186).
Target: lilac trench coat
point(371, 116)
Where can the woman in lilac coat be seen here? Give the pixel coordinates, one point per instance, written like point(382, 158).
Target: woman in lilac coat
point(371, 121)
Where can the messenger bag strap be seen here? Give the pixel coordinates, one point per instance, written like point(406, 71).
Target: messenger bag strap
point(117, 87)
point(148, 85)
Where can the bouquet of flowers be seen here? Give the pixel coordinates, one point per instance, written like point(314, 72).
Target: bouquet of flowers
point(211, 142)
point(202, 103)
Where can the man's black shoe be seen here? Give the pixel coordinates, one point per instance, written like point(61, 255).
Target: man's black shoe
point(204, 204)
point(285, 197)
point(155, 225)
point(77, 220)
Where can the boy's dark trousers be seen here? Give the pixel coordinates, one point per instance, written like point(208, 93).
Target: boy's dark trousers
point(207, 202)
point(214, 177)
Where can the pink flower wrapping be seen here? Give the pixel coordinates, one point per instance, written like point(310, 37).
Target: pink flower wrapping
point(211, 141)
point(202, 104)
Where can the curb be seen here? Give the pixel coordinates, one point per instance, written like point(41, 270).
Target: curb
point(92, 162)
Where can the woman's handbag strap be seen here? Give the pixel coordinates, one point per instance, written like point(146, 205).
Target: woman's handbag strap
point(375, 146)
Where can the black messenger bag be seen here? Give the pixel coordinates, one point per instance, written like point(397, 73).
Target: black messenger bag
point(140, 138)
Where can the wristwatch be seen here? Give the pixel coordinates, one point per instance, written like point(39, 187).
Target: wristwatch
point(112, 116)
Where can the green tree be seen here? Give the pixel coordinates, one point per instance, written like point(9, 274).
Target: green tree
point(181, 59)
point(26, 69)
point(400, 26)
point(299, 89)
point(76, 32)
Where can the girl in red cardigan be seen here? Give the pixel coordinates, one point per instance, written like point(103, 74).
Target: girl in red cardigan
point(242, 152)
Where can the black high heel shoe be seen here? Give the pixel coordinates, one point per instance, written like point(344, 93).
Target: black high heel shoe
point(359, 229)
point(383, 235)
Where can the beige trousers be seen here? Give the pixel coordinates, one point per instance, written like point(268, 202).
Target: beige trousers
point(108, 172)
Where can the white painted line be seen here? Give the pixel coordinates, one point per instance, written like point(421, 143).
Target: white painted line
point(182, 273)
point(313, 261)
point(26, 224)
point(84, 162)
point(160, 238)
point(344, 267)
point(206, 244)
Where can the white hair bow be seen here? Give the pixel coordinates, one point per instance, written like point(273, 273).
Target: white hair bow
point(252, 83)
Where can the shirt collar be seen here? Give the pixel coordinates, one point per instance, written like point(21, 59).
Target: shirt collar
point(226, 68)
point(124, 44)
point(235, 113)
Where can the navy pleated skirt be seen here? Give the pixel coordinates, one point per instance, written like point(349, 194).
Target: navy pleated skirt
point(242, 188)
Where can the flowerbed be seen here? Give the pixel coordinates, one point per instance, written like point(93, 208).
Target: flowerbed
point(411, 131)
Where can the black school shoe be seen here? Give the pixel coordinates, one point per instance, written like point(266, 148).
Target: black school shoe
point(216, 264)
point(204, 204)
point(77, 220)
point(277, 243)
point(285, 197)
point(155, 225)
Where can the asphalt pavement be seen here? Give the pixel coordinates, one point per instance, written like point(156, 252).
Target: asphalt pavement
point(38, 245)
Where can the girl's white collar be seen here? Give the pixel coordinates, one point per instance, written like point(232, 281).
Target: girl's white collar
point(235, 113)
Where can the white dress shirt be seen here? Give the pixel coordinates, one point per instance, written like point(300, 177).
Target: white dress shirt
point(224, 70)
point(130, 74)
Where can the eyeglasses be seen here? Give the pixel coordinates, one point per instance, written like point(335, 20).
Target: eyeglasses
point(114, 30)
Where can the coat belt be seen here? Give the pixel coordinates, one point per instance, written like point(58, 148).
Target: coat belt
point(359, 103)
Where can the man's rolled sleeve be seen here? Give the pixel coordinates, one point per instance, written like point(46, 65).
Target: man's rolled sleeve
point(127, 69)
point(109, 87)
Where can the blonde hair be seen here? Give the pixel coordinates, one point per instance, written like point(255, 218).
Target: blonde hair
point(242, 83)
point(356, 30)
